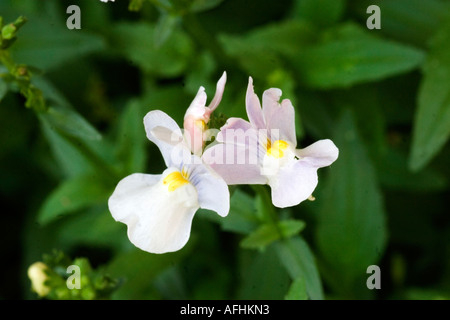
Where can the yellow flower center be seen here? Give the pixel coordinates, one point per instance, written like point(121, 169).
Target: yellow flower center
point(201, 124)
point(176, 179)
point(277, 148)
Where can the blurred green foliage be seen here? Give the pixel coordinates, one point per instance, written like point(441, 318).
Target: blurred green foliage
point(71, 110)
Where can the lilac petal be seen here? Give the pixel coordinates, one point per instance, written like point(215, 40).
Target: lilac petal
point(155, 119)
point(220, 87)
point(319, 154)
point(236, 164)
point(279, 116)
point(253, 106)
point(237, 131)
point(294, 183)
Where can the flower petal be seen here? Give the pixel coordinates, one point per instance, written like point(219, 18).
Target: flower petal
point(253, 106)
point(220, 87)
point(158, 118)
point(213, 193)
point(294, 183)
point(279, 116)
point(319, 154)
point(158, 220)
point(197, 107)
point(236, 164)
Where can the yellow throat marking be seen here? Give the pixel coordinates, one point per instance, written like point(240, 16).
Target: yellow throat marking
point(176, 179)
point(277, 148)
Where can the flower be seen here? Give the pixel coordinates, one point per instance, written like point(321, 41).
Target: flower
point(197, 116)
point(158, 209)
point(106, 0)
point(263, 151)
point(37, 274)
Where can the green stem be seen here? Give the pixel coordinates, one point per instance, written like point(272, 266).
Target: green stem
point(271, 215)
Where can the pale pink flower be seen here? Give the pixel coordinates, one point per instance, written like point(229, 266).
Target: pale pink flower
point(198, 114)
point(263, 150)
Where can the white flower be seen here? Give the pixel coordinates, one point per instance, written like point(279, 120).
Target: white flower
point(158, 209)
point(106, 0)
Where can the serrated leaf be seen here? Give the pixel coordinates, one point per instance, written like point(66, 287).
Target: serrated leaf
point(299, 262)
point(351, 230)
point(71, 195)
point(432, 119)
point(350, 55)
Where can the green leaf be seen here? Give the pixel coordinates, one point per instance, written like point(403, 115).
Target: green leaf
point(242, 216)
point(73, 194)
point(319, 12)
point(351, 230)
point(297, 291)
point(260, 52)
point(132, 141)
point(350, 55)
point(268, 233)
point(203, 5)
point(299, 261)
point(164, 28)
point(394, 174)
point(432, 119)
point(265, 265)
point(71, 122)
point(3, 89)
point(47, 46)
point(412, 21)
point(138, 269)
point(137, 42)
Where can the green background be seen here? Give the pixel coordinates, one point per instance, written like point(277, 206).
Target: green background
point(382, 96)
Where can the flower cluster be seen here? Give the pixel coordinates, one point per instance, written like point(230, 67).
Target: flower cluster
point(158, 209)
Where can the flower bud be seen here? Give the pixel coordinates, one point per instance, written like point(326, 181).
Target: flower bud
point(37, 275)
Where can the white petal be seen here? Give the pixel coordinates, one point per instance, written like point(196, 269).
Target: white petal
point(319, 154)
point(158, 220)
point(153, 122)
point(220, 87)
point(197, 107)
point(213, 193)
point(294, 183)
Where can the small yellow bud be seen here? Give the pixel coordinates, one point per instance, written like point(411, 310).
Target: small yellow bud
point(37, 275)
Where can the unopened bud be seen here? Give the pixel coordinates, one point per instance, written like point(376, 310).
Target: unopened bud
point(37, 275)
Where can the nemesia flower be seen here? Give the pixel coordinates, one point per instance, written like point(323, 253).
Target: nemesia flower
point(158, 209)
point(197, 116)
point(263, 151)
